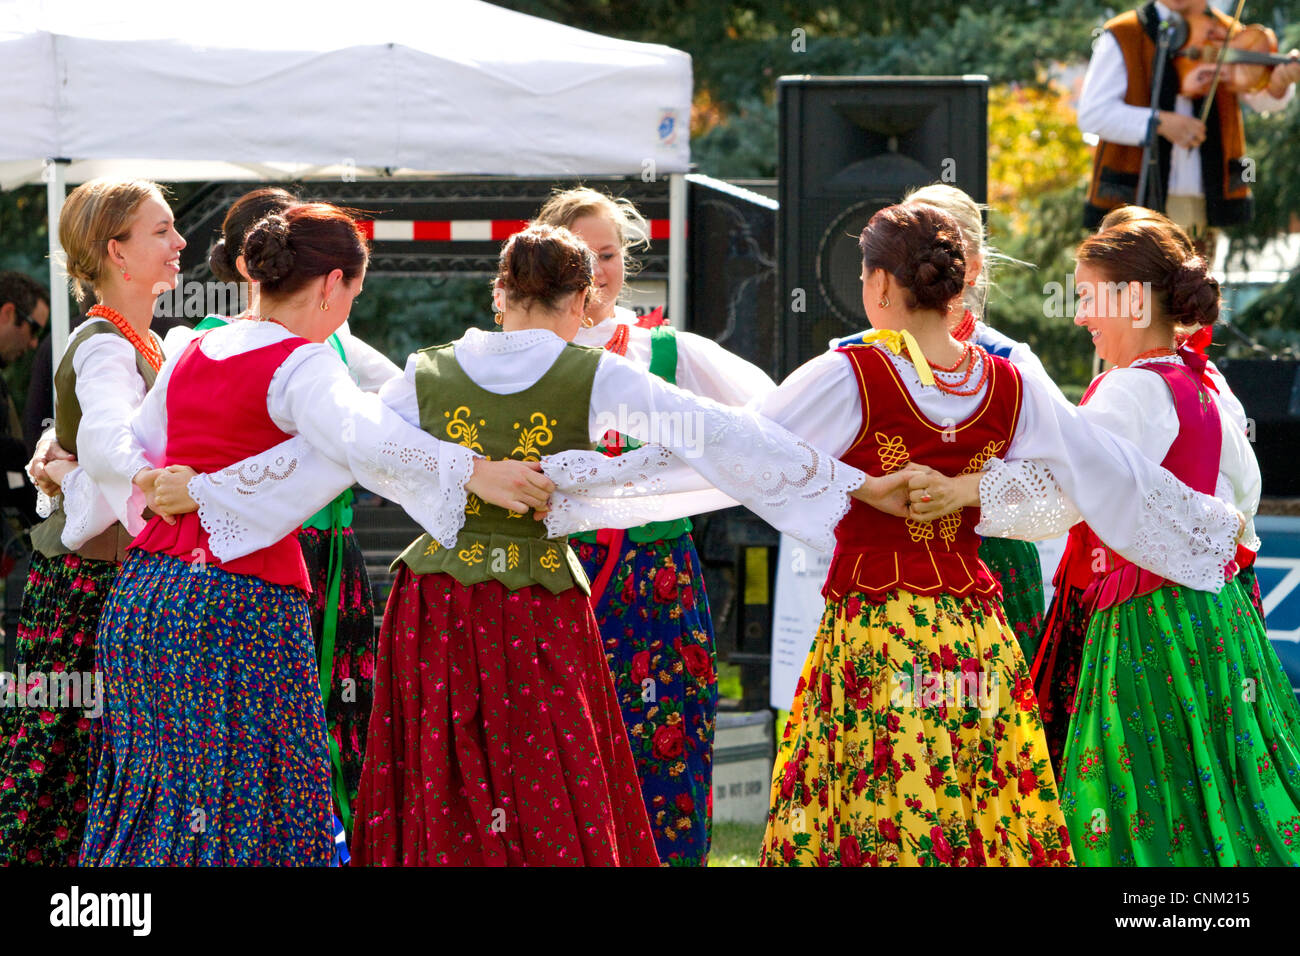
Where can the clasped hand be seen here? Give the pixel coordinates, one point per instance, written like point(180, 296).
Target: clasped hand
point(919, 492)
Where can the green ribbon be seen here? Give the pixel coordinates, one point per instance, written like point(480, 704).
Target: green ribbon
point(663, 363)
point(329, 629)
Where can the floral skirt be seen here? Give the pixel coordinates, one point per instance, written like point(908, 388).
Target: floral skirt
point(1016, 566)
point(1055, 672)
point(1185, 750)
point(44, 749)
point(214, 734)
point(495, 738)
point(352, 686)
point(658, 638)
point(914, 741)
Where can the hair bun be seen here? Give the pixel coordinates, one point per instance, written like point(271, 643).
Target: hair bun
point(1193, 294)
point(268, 253)
point(938, 271)
point(220, 264)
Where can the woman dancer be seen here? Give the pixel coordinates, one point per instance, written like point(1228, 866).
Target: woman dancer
point(1184, 747)
point(496, 736)
point(213, 715)
point(123, 250)
point(1055, 669)
point(647, 588)
point(1014, 563)
point(914, 738)
point(343, 603)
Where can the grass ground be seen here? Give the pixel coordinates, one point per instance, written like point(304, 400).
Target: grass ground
point(735, 844)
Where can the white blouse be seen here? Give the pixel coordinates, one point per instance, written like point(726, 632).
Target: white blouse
point(109, 389)
point(1136, 507)
point(703, 366)
point(733, 455)
point(341, 434)
point(783, 479)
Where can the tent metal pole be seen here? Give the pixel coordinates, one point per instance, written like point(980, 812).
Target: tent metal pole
point(55, 175)
point(677, 250)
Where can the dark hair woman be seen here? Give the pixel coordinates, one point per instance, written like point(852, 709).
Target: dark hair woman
point(496, 736)
point(913, 737)
point(342, 601)
point(213, 710)
point(1221, 779)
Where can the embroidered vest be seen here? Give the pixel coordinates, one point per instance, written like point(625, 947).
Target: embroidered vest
point(876, 552)
point(549, 416)
point(47, 537)
point(1105, 577)
point(1116, 167)
point(236, 387)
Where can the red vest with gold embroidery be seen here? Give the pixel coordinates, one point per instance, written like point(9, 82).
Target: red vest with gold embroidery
point(876, 552)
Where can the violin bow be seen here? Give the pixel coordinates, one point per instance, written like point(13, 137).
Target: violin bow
point(1223, 56)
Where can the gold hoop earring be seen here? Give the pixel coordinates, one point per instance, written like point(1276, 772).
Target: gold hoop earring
point(587, 322)
point(498, 318)
point(324, 306)
point(884, 302)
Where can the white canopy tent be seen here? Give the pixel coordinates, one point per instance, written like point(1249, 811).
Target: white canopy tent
point(256, 90)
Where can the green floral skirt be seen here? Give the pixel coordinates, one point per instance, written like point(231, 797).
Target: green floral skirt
point(1184, 749)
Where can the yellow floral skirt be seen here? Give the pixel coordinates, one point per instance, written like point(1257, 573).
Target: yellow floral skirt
point(914, 740)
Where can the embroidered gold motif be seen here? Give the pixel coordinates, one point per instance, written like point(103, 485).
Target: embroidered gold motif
point(893, 453)
point(433, 548)
point(920, 530)
point(512, 556)
point(474, 555)
point(531, 439)
point(949, 525)
point(550, 560)
point(462, 430)
point(982, 457)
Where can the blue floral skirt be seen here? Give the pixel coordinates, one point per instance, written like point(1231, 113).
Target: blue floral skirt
point(214, 736)
point(658, 638)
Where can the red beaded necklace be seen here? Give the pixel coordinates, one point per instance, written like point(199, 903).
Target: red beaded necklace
point(956, 388)
point(964, 329)
point(147, 347)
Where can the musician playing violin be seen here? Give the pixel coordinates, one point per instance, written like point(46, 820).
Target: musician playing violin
point(1204, 173)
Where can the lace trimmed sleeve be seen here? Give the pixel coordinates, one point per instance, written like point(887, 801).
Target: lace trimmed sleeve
point(1135, 506)
point(88, 513)
point(790, 483)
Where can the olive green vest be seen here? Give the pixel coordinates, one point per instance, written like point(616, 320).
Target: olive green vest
point(47, 536)
point(548, 417)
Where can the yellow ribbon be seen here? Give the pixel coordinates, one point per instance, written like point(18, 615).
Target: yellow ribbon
point(896, 342)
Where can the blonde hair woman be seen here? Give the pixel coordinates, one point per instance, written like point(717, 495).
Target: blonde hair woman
point(122, 251)
point(648, 591)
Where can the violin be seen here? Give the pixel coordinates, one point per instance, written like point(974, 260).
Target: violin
point(1245, 66)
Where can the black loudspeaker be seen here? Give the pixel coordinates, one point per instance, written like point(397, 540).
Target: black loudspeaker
point(732, 279)
point(849, 147)
point(1270, 392)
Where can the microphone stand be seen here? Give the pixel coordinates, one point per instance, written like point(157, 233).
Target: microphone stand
point(1149, 178)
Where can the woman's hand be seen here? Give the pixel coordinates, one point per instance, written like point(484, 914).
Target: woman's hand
point(933, 494)
point(47, 450)
point(171, 493)
point(516, 485)
point(888, 493)
point(57, 470)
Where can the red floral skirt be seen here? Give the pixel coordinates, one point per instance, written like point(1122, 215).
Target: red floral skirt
point(495, 736)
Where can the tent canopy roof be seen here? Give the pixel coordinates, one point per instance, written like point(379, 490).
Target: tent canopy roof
point(270, 90)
